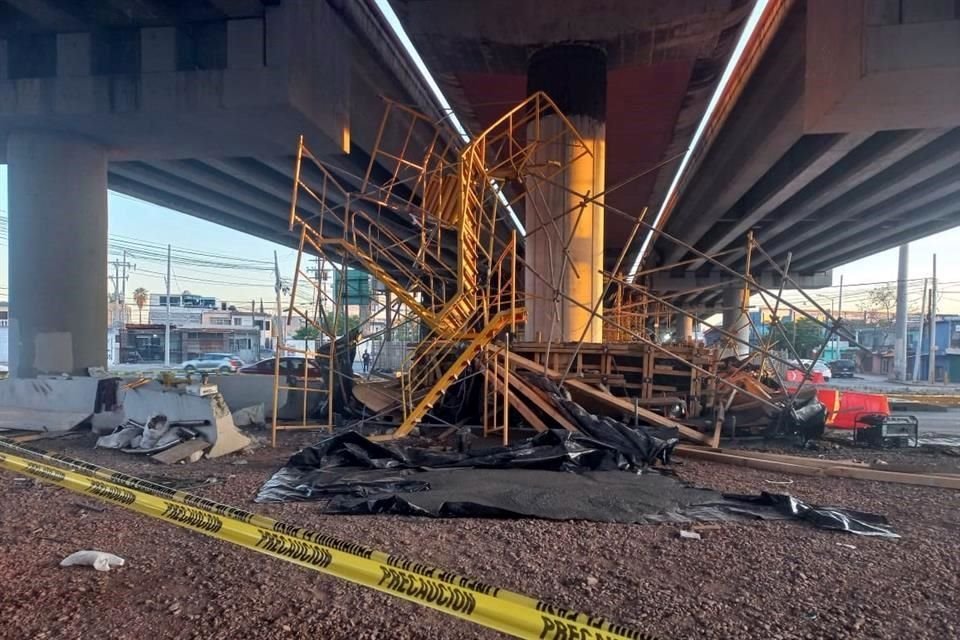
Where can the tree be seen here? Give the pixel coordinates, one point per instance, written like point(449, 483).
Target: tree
point(878, 308)
point(882, 300)
point(306, 332)
point(805, 335)
point(140, 296)
point(310, 332)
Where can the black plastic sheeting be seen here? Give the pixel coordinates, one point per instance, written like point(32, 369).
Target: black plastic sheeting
point(836, 518)
point(555, 475)
point(622, 448)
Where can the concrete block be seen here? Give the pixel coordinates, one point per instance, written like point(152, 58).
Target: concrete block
point(73, 54)
point(158, 49)
point(46, 404)
point(245, 39)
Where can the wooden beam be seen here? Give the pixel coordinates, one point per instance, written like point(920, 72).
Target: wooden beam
point(611, 401)
point(540, 400)
point(517, 403)
point(817, 467)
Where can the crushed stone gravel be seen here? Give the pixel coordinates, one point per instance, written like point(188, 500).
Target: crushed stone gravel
point(760, 580)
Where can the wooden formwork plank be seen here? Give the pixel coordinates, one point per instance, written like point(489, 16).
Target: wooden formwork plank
point(816, 467)
point(613, 402)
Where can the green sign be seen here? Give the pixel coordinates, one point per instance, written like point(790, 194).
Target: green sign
point(357, 290)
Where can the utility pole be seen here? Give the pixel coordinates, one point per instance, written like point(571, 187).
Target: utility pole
point(166, 330)
point(119, 279)
point(932, 364)
point(123, 289)
point(253, 319)
point(916, 352)
point(839, 318)
point(278, 287)
point(115, 278)
point(900, 343)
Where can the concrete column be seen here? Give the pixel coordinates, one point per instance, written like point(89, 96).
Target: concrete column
point(684, 329)
point(575, 77)
point(736, 303)
point(58, 254)
point(900, 343)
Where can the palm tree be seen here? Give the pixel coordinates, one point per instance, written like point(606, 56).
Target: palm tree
point(140, 296)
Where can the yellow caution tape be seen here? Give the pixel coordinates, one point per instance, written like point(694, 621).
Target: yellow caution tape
point(466, 598)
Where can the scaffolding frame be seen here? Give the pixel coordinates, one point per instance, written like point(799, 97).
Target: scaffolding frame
point(455, 270)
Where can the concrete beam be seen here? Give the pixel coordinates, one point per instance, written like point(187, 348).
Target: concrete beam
point(135, 189)
point(771, 103)
point(864, 76)
point(686, 280)
point(153, 177)
point(920, 195)
point(244, 108)
point(50, 14)
point(240, 8)
point(933, 211)
point(899, 235)
point(806, 161)
point(203, 176)
point(921, 165)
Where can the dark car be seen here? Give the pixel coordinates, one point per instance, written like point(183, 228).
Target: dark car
point(289, 366)
point(843, 368)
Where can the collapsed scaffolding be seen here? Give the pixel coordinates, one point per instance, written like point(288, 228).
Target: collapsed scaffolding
point(433, 222)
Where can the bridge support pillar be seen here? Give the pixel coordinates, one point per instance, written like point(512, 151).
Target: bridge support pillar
point(684, 328)
point(736, 305)
point(564, 246)
point(58, 254)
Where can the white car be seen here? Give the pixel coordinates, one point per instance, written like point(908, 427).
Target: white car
point(219, 362)
point(820, 368)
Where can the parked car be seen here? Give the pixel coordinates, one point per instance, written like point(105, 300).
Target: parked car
point(289, 366)
point(820, 368)
point(843, 368)
point(220, 362)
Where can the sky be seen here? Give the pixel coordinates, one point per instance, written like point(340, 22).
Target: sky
point(215, 261)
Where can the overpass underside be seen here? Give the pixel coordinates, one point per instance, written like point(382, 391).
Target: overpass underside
point(842, 143)
point(204, 119)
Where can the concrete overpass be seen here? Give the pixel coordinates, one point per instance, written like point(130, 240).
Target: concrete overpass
point(197, 106)
point(843, 143)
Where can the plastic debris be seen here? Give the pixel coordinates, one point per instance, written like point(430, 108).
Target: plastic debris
point(99, 560)
point(689, 535)
point(835, 518)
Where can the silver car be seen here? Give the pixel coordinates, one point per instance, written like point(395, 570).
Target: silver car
point(219, 362)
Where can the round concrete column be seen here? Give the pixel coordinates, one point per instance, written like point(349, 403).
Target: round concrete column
point(58, 254)
point(575, 78)
point(736, 304)
point(684, 328)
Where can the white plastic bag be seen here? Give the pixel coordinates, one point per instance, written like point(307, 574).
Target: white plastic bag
point(99, 560)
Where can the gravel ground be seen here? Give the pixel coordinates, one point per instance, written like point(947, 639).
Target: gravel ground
point(757, 580)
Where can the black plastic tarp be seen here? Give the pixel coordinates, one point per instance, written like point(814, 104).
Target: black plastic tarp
point(555, 475)
point(551, 450)
point(822, 517)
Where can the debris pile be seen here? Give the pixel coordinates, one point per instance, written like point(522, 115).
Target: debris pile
point(155, 438)
point(555, 475)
